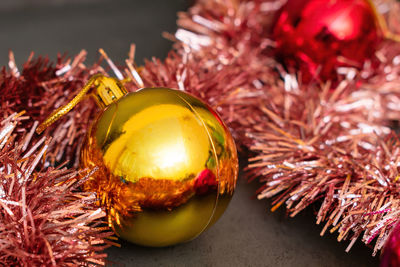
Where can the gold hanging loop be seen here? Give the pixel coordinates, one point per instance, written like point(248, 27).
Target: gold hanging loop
point(108, 90)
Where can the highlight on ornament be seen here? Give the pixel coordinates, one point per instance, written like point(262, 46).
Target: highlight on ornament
point(167, 163)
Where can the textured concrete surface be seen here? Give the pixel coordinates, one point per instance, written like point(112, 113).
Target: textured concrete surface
point(248, 234)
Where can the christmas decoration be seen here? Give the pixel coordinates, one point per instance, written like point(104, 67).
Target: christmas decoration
point(307, 143)
point(310, 143)
point(168, 164)
point(37, 88)
point(317, 37)
point(45, 220)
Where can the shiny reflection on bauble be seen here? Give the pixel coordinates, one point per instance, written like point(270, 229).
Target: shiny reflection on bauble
point(168, 166)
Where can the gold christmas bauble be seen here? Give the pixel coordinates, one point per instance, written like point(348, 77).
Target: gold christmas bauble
point(167, 166)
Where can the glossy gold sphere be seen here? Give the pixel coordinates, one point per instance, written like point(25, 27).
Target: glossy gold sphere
point(167, 166)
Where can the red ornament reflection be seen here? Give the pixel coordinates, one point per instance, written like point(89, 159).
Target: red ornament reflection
point(205, 182)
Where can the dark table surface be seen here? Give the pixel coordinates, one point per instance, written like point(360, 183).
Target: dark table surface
point(248, 234)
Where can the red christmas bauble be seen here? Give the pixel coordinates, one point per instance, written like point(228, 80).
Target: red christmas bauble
point(318, 36)
point(391, 251)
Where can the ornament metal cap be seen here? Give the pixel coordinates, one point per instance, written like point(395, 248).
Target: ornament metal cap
point(107, 90)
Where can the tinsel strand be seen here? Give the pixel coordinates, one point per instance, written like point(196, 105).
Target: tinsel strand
point(45, 220)
point(309, 142)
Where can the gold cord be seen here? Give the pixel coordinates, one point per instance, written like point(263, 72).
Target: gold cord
point(61, 111)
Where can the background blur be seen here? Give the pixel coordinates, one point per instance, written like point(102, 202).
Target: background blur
point(51, 26)
point(248, 234)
